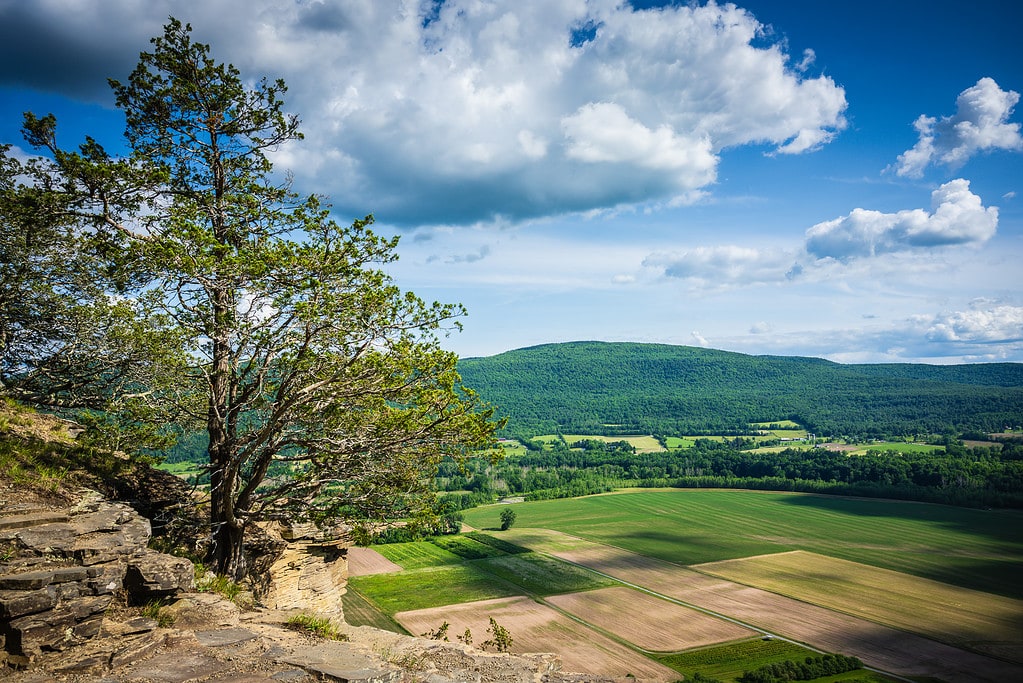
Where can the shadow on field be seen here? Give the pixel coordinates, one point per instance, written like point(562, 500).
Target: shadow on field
point(992, 566)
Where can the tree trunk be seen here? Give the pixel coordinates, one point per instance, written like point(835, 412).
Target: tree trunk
point(228, 550)
point(226, 529)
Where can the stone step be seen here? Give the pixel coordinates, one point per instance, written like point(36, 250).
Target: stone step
point(30, 519)
point(338, 662)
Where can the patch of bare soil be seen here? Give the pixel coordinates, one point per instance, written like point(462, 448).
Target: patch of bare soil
point(647, 621)
point(366, 561)
point(538, 628)
point(839, 447)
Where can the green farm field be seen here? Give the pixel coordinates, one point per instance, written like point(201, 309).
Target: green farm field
point(431, 587)
point(729, 662)
point(467, 570)
point(976, 549)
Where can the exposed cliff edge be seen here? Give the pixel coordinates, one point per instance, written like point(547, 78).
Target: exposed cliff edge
point(79, 588)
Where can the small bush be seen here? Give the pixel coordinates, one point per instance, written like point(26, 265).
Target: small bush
point(441, 633)
point(208, 582)
point(501, 640)
point(317, 626)
point(154, 610)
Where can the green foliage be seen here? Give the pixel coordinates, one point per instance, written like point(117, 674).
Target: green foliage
point(207, 581)
point(242, 310)
point(625, 388)
point(440, 633)
point(507, 519)
point(154, 610)
point(807, 670)
point(73, 336)
point(500, 639)
point(943, 472)
point(317, 626)
point(729, 661)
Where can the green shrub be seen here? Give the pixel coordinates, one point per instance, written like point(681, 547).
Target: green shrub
point(318, 626)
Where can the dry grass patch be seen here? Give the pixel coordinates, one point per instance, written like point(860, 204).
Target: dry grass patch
point(981, 621)
point(538, 628)
point(647, 621)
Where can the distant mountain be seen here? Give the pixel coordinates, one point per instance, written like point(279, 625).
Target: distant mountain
point(600, 387)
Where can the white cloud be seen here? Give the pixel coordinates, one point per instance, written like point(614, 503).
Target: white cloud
point(722, 267)
point(428, 113)
point(604, 133)
point(997, 324)
point(957, 217)
point(979, 124)
point(987, 332)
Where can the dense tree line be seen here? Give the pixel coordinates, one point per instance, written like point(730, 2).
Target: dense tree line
point(625, 388)
point(951, 473)
point(809, 669)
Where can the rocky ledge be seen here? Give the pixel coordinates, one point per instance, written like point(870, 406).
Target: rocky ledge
point(60, 570)
point(69, 575)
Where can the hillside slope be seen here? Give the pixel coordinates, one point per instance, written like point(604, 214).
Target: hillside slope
point(600, 387)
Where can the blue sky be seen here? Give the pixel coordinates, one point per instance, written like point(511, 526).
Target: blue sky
point(836, 179)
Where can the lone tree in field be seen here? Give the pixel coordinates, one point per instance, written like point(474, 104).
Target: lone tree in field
point(322, 386)
point(507, 519)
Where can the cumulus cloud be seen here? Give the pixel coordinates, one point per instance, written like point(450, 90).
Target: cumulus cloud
point(984, 332)
point(459, 112)
point(981, 123)
point(604, 133)
point(957, 217)
point(997, 324)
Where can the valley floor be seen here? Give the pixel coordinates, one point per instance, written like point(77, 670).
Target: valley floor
point(665, 607)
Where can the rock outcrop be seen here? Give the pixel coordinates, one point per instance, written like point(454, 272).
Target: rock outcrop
point(61, 568)
point(309, 573)
point(66, 574)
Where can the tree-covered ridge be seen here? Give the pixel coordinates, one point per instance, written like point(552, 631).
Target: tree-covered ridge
point(600, 387)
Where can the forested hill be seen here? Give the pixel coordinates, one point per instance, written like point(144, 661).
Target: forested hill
point(599, 387)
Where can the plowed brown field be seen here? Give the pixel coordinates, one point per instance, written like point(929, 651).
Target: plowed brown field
point(538, 628)
point(366, 561)
point(647, 621)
